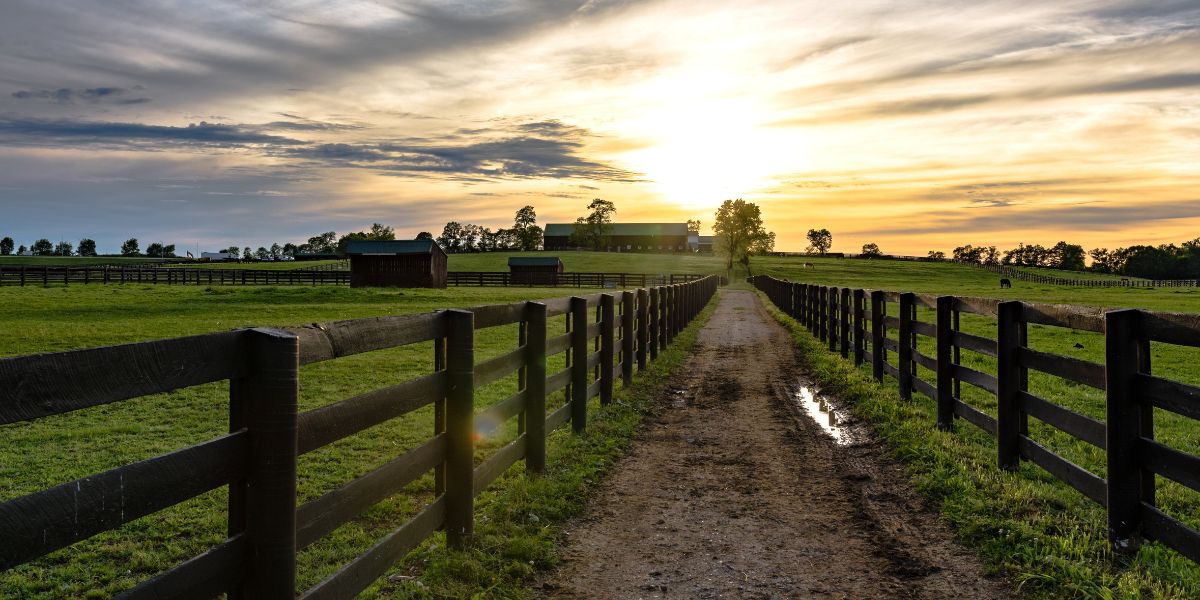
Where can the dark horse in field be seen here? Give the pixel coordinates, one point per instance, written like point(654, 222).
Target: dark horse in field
point(1005, 283)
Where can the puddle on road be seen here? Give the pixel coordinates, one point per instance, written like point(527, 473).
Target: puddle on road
point(819, 409)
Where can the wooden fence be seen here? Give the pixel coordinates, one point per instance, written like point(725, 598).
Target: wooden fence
point(25, 275)
point(856, 322)
point(258, 459)
point(1017, 273)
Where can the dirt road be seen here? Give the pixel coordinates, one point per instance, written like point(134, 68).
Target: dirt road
point(733, 491)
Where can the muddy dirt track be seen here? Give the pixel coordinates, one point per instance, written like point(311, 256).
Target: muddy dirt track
point(733, 491)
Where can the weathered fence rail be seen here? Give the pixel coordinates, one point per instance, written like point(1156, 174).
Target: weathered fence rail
point(258, 458)
point(26, 275)
point(857, 322)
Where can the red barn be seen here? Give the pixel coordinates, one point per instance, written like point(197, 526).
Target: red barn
point(398, 263)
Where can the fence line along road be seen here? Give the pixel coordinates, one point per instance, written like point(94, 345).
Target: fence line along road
point(25, 275)
point(258, 459)
point(855, 322)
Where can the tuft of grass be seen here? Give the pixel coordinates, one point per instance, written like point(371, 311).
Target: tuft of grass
point(1048, 538)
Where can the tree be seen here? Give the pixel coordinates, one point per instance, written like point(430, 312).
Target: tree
point(968, 253)
point(276, 251)
point(381, 233)
point(289, 249)
point(247, 254)
point(42, 247)
point(693, 225)
point(87, 247)
point(1066, 256)
point(820, 240)
point(22, 249)
point(593, 230)
point(871, 250)
point(424, 235)
point(525, 229)
point(262, 253)
point(936, 255)
point(232, 251)
point(452, 237)
point(739, 230)
point(169, 251)
point(991, 256)
point(155, 249)
point(324, 243)
point(63, 249)
point(6, 246)
point(130, 247)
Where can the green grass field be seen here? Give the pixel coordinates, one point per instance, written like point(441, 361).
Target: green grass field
point(54, 450)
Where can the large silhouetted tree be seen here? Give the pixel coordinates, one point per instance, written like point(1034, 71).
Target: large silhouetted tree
point(739, 232)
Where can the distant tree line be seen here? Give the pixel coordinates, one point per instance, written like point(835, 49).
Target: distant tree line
point(525, 234)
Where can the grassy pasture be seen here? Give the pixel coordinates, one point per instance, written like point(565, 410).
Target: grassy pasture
point(54, 450)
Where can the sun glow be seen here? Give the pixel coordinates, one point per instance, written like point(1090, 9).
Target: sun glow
point(703, 151)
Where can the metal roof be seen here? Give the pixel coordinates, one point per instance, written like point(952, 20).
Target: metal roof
point(390, 247)
point(641, 229)
point(534, 261)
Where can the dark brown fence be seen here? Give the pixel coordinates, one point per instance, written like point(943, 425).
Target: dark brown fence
point(257, 460)
point(1017, 273)
point(26, 275)
point(590, 280)
point(856, 322)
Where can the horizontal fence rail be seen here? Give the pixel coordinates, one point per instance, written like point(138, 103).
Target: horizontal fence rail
point(1017, 273)
point(317, 275)
point(609, 337)
point(882, 328)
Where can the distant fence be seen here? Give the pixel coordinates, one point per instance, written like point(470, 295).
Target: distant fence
point(24, 275)
point(258, 460)
point(1017, 273)
point(856, 322)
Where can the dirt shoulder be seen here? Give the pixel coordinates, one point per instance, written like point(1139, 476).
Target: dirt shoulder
point(732, 491)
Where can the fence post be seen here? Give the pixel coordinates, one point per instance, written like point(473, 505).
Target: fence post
point(1008, 384)
point(653, 331)
point(1125, 354)
point(626, 338)
point(460, 429)
point(579, 368)
point(904, 357)
point(643, 298)
point(272, 389)
point(607, 314)
point(831, 322)
point(535, 387)
point(663, 316)
point(945, 363)
point(860, 342)
point(844, 338)
point(439, 412)
point(877, 355)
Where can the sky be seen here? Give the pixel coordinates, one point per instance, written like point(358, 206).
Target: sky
point(918, 125)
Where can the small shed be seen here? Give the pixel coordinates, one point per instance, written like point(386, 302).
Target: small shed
point(535, 270)
point(397, 263)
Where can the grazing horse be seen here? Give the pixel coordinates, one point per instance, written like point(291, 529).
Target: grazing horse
point(1005, 283)
point(809, 266)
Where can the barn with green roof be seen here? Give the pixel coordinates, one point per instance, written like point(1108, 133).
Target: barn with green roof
point(624, 237)
point(535, 270)
point(397, 263)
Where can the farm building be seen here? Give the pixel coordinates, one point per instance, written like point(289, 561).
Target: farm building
point(399, 263)
point(218, 256)
point(625, 237)
point(704, 244)
point(539, 270)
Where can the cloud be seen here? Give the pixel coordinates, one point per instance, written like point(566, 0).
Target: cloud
point(70, 96)
point(65, 132)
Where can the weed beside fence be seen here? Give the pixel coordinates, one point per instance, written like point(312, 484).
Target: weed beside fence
point(609, 337)
point(855, 322)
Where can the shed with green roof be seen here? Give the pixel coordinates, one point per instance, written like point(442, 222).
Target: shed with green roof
point(397, 263)
point(535, 270)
